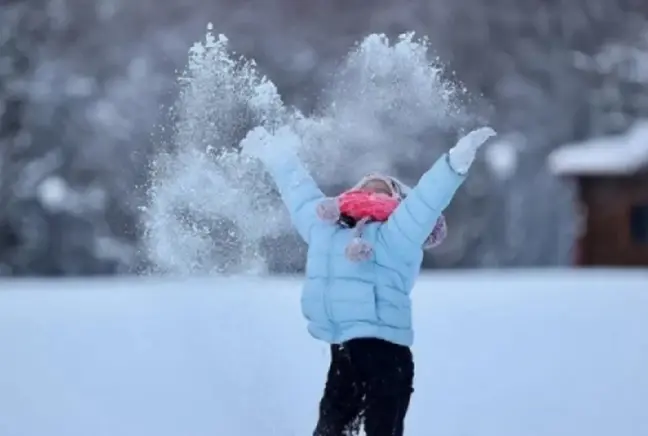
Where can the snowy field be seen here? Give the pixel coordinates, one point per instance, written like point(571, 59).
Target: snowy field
point(497, 354)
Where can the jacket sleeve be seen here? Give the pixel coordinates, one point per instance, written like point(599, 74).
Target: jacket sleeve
point(299, 192)
point(411, 223)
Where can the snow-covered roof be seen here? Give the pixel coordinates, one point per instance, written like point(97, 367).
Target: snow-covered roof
point(609, 155)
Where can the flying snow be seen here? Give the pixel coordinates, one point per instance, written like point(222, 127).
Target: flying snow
point(210, 208)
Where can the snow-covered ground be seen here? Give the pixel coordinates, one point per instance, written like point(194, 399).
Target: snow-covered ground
point(497, 354)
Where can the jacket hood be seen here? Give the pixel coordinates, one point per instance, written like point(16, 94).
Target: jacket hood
point(398, 189)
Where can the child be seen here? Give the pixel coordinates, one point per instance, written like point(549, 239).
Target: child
point(356, 294)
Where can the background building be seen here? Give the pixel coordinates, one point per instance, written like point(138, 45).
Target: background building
point(612, 177)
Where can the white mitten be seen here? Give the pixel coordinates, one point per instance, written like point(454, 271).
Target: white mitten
point(462, 155)
point(270, 147)
point(256, 143)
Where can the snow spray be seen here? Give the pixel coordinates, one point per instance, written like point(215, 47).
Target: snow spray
point(210, 209)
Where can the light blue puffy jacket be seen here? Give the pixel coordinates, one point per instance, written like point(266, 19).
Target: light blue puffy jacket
point(343, 299)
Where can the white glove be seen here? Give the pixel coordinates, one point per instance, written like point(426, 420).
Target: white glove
point(462, 155)
point(270, 147)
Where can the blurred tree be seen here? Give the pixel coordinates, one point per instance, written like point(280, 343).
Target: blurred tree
point(82, 85)
point(14, 65)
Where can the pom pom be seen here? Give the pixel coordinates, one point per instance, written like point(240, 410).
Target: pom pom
point(358, 250)
point(328, 210)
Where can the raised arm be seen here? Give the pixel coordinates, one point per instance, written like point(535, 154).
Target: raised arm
point(298, 190)
point(411, 223)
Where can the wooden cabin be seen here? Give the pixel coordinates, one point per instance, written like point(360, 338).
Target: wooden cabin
point(612, 177)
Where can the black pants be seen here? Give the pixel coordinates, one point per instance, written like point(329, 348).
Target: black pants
point(369, 383)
